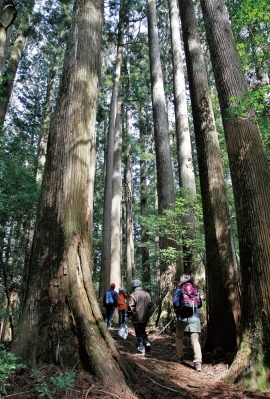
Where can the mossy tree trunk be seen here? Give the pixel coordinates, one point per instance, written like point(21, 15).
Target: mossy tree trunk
point(61, 321)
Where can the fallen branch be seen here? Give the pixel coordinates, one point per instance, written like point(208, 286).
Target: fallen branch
point(89, 391)
point(14, 394)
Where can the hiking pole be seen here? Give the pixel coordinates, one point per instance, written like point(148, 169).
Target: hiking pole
point(163, 329)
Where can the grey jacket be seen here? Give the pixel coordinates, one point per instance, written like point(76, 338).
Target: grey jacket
point(139, 305)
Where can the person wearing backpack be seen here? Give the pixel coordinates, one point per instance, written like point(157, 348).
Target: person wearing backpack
point(110, 302)
point(139, 306)
point(186, 302)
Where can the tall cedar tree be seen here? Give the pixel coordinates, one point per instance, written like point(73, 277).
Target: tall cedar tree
point(61, 320)
point(223, 293)
point(184, 149)
point(251, 187)
point(128, 269)
point(165, 181)
point(106, 274)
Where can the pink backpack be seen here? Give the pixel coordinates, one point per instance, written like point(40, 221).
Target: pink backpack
point(190, 297)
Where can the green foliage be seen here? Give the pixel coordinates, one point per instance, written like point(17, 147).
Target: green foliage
point(170, 225)
point(8, 364)
point(19, 190)
point(54, 386)
point(250, 25)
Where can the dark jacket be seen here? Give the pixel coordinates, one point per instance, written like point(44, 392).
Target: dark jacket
point(139, 305)
point(115, 298)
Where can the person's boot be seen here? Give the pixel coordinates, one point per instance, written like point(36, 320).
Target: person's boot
point(140, 346)
point(147, 347)
point(109, 324)
point(198, 366)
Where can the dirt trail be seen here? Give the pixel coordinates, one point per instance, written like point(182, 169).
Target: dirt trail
point(161, 377)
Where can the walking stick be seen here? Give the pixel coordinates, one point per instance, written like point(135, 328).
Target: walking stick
point(163, 329)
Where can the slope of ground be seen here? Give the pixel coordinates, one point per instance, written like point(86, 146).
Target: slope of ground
point(160, 377)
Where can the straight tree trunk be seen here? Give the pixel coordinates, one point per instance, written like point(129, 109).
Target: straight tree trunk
point(43, 139)
point(105, 273)
point(61, 321)
point(251, 186)
point(222, 286)
point(165, 184)
point(115, 270)
point(184, 149)
point(146, 272)
point(130, 267)
point(165, 181)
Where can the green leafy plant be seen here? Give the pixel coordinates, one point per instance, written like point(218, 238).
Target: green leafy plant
point(55, 384)
point(8, 364)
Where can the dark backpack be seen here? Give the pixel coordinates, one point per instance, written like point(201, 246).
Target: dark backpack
point(186, 300)
point(109, 298)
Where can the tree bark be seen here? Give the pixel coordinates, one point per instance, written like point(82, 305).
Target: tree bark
point(61, 321)
point(251, 186)
point(115, 270)
point(184, 149)
point(222, 285)
point(10, 74)
point(130, 266)
point(45, 128)
point(107, 216)
point(165, 180)
point(165, 186)
point(13, 63)
point(8, 14)
point(146, 271)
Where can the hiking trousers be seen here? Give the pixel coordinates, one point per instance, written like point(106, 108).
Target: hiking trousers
point(109, 313)
point(193, 327)
point(143, 343)
point(121, 315)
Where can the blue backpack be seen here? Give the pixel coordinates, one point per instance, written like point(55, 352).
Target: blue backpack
point(109, 298)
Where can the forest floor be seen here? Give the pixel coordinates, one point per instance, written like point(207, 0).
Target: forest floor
point(159, 376)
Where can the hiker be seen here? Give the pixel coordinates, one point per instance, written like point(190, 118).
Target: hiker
point(138, 308)
point(122, 307)
point(186, 306)
point(110, 302)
